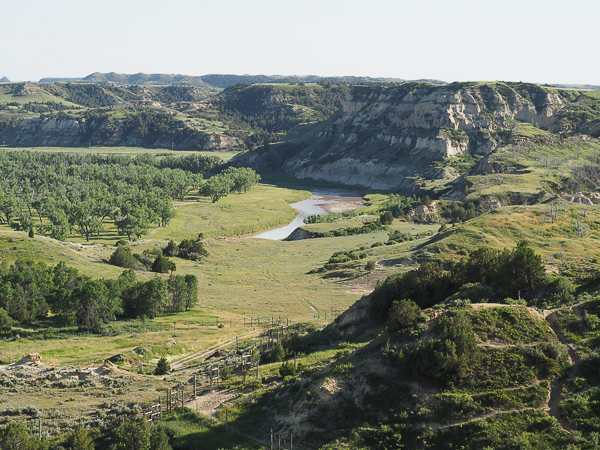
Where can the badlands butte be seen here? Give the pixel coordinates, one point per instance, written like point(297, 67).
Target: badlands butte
point(450, 298)
point(388, 137)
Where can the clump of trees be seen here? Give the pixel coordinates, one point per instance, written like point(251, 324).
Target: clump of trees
point(129, 435)
point(30, 291)
point(330, 218)
point(56, 195)
point(368, 227)
point(398, 205)
point(386, 218)
point(232, 179)
point(187, 249)
point(519, 272)
point(148, 260)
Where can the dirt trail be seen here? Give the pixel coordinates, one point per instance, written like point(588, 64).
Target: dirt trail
point(460, 423)
point(205, 353)
point(208, 402)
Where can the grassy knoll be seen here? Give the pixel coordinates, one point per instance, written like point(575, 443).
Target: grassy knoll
point(530, 169)
point(504, 227)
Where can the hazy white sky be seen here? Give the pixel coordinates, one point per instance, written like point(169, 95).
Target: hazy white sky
point(515, 40)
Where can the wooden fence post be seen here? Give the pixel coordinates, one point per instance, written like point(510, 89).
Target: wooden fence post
point(194, 385)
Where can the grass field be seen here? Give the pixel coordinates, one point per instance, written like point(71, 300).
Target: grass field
point(242, 277)
point(265, 206)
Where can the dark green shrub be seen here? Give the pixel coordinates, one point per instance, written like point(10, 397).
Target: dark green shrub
point(452, 356)
point(16, 436)
point(426, 286)
point(122, 257)
point(287, 369)
point(387, 218)
point(162, 367)
point(560, 292)
point(226, 373)
point(171, 249)
point(79, 439)
point(403, 315)
point(162, 264)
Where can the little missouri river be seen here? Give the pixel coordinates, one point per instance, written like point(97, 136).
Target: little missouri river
point(322, 202)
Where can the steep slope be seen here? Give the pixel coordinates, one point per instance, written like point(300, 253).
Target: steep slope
point(388, 137)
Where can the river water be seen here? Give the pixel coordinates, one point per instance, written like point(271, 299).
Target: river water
point(322, 202)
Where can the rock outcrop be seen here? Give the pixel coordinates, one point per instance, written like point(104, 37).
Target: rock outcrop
point(32, 357)
point(387, 137)
point(69, 132)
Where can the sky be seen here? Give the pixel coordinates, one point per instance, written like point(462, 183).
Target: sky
point(484, 40)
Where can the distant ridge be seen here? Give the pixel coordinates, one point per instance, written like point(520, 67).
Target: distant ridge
point(591, 87)
point(56, 80)
point(4, 80)
point(214, 82)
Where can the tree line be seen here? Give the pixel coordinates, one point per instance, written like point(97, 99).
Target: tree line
point(31, 291)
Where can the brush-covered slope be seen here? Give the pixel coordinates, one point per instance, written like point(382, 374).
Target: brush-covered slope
point(486, 376)
point(391, 137)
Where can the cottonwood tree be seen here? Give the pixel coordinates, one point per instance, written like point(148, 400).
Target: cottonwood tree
point(191, 291)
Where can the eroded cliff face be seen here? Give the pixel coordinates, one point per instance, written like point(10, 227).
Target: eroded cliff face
point(68, 132)
point(387, 137)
